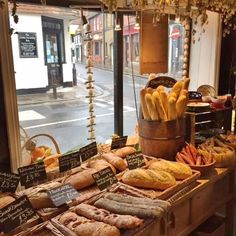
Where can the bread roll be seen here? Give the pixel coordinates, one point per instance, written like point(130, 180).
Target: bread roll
point(159, 106)
point(115, 161)
point(146, 114)
point(81, 179)
point(151, 107)
point(149, 179)
point(100, 164)
point(5, 200)
point(178, 170)
point(123, 152)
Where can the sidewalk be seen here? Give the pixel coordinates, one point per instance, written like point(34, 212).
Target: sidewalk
point(62, 94)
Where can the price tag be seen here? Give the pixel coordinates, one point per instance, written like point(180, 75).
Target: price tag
point(119, 142)
point(8, 182)
point(15, 214)
point(105, 178)
point(63, 194)
point(69, 161)
point(88, 151)
point(31, 174)
point(135, 160)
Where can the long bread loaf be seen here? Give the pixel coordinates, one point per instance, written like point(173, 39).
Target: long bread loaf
point(146, 114)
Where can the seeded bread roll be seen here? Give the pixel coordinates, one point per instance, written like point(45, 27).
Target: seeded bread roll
point(178, 170)
point(149, 179)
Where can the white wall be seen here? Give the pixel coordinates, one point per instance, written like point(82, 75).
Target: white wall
point(205, 54)
point(67, 68)
point(30, 72)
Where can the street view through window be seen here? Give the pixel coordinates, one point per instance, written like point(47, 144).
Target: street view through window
point(50, 74)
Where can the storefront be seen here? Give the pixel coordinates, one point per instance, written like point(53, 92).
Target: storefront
point(174, 176)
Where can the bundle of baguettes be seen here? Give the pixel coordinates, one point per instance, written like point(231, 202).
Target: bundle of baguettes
point(159, 105)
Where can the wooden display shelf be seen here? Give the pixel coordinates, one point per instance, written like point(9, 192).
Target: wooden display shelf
point(196, 122)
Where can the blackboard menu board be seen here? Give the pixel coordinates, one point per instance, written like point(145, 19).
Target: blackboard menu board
point(118, 142)
point(27, 45)
point(32, 174)
point(135, 160)
point(88, 151)
point(8, 182)
point(15, 214)
point(105, 178)
point(63, 194)
point(69, 161)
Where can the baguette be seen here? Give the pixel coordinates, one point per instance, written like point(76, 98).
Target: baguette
point(160, 88)
point(146, 114)
point(148, 179)
point(181, 105)
point(141, 211)
point(164, 100)
point(120, 221)
point(100, 164)
point(177, 88)
point(186, 83)
point(178, 170)
point(159, 106)
point(123, 152)
point(115, 161)
point(151, 107)
point(172, 113)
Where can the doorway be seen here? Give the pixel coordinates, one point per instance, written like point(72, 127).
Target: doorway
point(54, 52)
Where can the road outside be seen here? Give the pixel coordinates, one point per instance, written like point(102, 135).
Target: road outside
point(66, 120)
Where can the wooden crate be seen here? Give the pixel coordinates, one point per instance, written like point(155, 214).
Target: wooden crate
point(196, 122)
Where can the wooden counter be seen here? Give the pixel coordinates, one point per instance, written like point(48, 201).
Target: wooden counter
point(191, 207)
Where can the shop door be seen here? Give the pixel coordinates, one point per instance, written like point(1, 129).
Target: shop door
point(53, 58)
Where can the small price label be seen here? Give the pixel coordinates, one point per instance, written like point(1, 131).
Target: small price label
point(135, 160)
point(105, 178)
point(15, 214)
point(63, 194)
point(8, 182)
point(32, 174)
point(88, 151)
point(69, 161)
point(118, 142)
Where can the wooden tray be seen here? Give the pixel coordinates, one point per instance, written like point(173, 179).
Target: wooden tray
point(44, 229)
point(165, 194)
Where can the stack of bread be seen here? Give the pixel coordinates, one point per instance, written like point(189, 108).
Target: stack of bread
point(158, 105)
point(160, 174)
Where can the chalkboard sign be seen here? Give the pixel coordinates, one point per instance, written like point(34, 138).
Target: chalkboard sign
point(27, 45)
point(135, 160)
point(166, 81)
point(118, 142)
point(88, 151)
point(105, 178)
point(15, 214)
point(32, 174)
point(69, 161)
point(63, 194)
point(8, 182)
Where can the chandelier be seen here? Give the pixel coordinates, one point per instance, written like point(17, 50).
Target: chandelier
point(194, 9)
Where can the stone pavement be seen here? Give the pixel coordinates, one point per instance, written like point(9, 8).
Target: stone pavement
point(62, 94)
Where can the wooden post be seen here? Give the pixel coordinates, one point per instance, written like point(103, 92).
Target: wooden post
point(118, 77)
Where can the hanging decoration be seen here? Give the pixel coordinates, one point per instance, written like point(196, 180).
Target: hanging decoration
point(194, 9)
point(90, 81)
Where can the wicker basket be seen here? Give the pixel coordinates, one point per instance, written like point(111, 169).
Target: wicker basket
point(54, 172)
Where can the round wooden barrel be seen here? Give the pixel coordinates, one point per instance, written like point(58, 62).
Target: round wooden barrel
point(162, 139)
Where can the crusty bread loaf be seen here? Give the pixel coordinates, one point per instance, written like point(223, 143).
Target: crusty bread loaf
point(149, 99)
point(181, 105)
point(146, 114)
point(159, 106)
point(81, 179)
point(148, 179)
point(172, 113)
point(6, 200)
point(178, 170)
point(115, 161)
point(100, 164)
point(177, 88)
point(123, 152)
point(186, 83)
